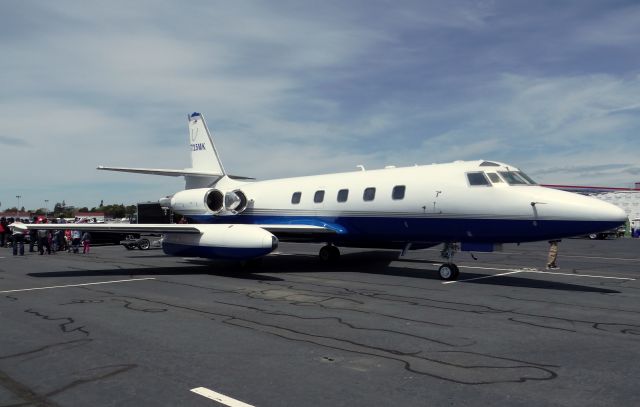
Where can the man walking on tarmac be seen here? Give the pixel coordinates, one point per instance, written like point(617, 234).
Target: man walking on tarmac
point(553, 255)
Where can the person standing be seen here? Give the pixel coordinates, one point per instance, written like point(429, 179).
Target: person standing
point(18, 242)
point(86, 242)
point(67, 240)
point(4, 229)
point(43, 240)
point(75, 240)
point(553, 255)
point(33, 236)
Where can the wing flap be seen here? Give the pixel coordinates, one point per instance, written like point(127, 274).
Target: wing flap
point(298, 229)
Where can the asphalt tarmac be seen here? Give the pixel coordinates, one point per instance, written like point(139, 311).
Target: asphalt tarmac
point(138, 328)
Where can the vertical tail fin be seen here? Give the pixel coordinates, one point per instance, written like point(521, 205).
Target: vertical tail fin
point(206, 167)
point(204, 156)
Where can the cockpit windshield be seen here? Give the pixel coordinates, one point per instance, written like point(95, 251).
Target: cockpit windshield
point(516, 178)
point(481, 178)
point(527, 178)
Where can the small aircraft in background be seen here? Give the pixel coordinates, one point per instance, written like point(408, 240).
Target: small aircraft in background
point(467, 205)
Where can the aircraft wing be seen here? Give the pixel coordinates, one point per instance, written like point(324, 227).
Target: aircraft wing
point(169, 228)
point(112, 227)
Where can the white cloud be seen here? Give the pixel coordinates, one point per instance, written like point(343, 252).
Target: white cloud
point(295, 89)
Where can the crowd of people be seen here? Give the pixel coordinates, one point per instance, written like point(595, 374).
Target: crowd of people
point(45, 241)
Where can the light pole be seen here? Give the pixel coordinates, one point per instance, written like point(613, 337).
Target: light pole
point(18, 207)
point(46, 208)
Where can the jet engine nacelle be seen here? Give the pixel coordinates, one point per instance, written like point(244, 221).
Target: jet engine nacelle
point(239, 242)
point(208, 201)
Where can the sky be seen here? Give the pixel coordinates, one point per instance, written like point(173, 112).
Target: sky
point(304, 87)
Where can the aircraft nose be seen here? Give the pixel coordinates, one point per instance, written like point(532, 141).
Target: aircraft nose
point(581, 208)
point(614, 213)
point(605, 212)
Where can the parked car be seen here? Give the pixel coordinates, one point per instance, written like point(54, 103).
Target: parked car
point(614, 233)
point(142, 243)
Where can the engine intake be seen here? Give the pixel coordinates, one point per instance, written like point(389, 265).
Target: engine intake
point(207, 201)
point(214, 200)
point(235, 201)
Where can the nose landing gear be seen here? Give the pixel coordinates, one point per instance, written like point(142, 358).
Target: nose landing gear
point(449, 271)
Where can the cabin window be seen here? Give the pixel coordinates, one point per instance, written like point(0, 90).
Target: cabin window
point(369, 194)
point(512, 178)
point(343, 195)
point(318, 196)
point(478, 179)
point(295, 198)
point(494, 177)
point(398, 192)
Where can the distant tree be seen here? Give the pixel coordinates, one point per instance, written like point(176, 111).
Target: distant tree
point(101, 203)
point(114, 211)
point(131, 210)
point(83, 209)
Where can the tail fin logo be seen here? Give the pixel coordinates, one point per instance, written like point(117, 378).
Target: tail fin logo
point(197, 147)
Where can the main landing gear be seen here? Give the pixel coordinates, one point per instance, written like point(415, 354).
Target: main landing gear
point(329, 254)
point(449, 271)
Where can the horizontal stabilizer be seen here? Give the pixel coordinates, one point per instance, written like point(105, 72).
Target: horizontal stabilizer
point(161, 171)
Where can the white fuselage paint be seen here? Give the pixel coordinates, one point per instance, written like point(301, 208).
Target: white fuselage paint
point(432, 192)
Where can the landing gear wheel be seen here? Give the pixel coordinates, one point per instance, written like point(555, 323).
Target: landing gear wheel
point(449, 272)
point(329, 254)
point(144, 244)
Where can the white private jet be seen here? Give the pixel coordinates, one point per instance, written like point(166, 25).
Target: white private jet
point(467, 205)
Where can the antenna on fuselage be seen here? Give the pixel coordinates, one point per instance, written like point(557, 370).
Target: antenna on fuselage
point(361, 167)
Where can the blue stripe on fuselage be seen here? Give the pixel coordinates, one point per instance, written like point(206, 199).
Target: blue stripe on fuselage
point(382, 229)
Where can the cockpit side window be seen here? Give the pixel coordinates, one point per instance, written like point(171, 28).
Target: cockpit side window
point(494, 177)
point(527, 178)
point(512, 178)
point(478, 179)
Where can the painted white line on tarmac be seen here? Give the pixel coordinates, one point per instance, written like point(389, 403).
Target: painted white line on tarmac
point(527, 270)
point(220, 398)
point(599, 258)
point(579, 275)
point(483, 277)
point(77, 285)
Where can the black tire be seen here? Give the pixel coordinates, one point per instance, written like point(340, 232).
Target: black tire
point(144, 244)
point(449, 272)
point(329, 254)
